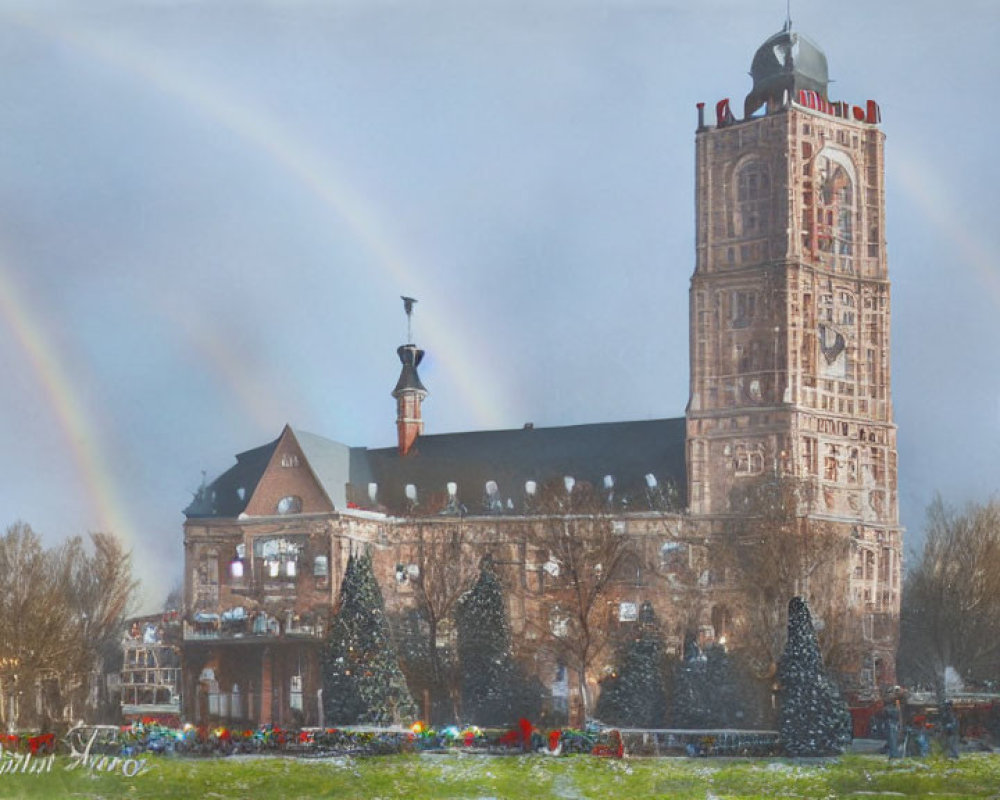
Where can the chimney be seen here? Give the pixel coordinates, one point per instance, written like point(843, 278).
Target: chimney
point(409, 391)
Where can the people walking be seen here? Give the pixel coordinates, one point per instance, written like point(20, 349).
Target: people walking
point(892, 727)
point(949, 726)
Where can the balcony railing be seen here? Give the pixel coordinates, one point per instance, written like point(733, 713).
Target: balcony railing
point(230, 626)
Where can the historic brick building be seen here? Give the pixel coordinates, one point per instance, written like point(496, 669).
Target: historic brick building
point(789, 381)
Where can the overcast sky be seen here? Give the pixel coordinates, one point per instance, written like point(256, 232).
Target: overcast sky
point(209, 210)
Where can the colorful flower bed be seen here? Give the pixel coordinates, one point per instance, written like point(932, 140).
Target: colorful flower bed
point(38, 744)
point(190, 740)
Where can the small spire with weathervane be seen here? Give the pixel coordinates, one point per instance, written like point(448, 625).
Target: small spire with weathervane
point(409, 391)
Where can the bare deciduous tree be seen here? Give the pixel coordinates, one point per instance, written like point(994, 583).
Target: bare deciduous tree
point(100, 592)
point(773, 553)
point(584, 552)
point(951, 597)
point(446, 568)
point(61, 609)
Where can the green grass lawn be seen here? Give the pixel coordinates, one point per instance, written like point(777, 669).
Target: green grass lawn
point(475, 776)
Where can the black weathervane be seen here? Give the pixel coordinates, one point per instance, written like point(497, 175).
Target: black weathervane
point(408, 308)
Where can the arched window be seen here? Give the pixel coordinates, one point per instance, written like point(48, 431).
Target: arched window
point(629, 570)
point(290, 504)
point(834, 206)
point(751, 210)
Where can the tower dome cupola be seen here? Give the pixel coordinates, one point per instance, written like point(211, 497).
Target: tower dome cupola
point(786, 62)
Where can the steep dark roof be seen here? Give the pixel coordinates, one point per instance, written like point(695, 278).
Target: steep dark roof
point(627, 451)
point(222, 497)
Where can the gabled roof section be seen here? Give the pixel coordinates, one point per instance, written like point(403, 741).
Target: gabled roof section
point(330, 462)
point(290, 484)
point(312, 470)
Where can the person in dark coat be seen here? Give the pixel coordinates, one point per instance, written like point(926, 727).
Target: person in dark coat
point(949, 726)
point(892, 728)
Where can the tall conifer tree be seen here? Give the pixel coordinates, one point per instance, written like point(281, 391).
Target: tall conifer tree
point(362, 681)
point(708, 691)
point(485, 651)
point(814, 719)
point(636, 696)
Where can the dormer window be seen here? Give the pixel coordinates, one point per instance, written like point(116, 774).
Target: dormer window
point(493, 501)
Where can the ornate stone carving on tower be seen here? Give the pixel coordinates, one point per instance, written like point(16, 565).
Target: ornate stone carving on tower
point(789, 311)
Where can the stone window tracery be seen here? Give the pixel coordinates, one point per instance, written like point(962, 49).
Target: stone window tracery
point(831, 207)
point(753, 198)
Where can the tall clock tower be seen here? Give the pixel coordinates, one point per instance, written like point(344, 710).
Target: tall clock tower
point(790, 371)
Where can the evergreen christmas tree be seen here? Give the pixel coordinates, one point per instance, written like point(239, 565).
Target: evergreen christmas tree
point(485, 652)
point(814, 719)
point(708, 689)
point(341, 700)
point(636, 695)
point(688, 688)
point(362, 681)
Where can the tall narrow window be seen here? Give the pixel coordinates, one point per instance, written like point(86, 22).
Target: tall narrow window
point(753, 195)
point(835, 206)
